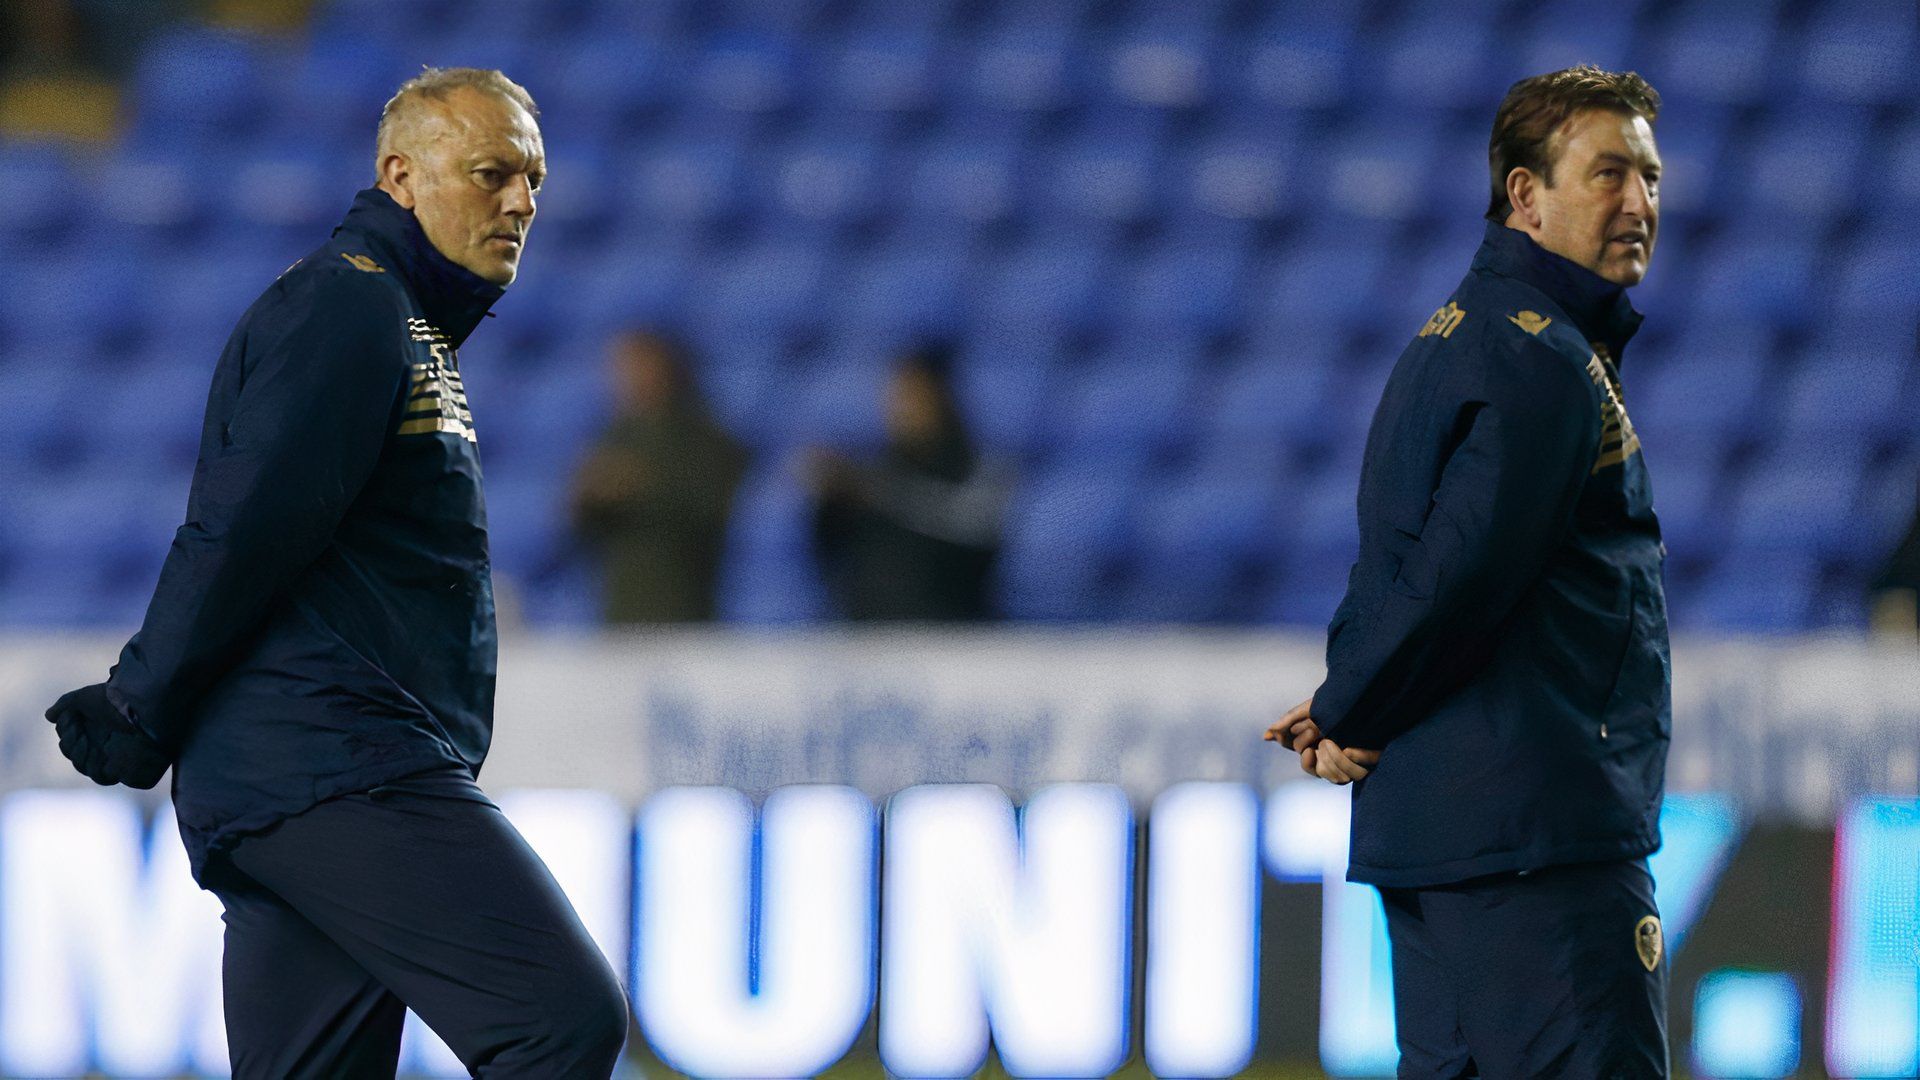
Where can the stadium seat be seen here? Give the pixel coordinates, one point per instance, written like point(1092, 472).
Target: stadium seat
point(1183, 287)
point(1754, 595)
point(768, 576)
point(1797, 499)
point(1137, 396)
point(1067, 531)
point(1282, 191)
point(1005, 383)
point(196, 87)
point(1860, 51)
point(1714, 52)
point(1048, 286)
point(1804, 165)
point(1206, 541)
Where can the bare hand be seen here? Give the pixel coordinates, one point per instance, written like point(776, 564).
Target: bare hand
point(1294, 730)
point(1319, 756)
point(1337, 765)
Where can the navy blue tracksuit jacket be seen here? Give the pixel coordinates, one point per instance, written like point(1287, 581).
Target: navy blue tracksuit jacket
point(324, 620)
point(1503, 639)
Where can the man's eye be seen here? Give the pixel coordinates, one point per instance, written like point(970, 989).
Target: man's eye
point(488, 176)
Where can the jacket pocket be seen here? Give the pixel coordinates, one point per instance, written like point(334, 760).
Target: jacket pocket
point(1633, 711)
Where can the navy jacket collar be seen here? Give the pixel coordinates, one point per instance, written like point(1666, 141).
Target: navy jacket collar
point(454, 298)
point(1597, 306)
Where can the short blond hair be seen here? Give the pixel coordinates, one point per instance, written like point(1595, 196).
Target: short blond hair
point(435, 84)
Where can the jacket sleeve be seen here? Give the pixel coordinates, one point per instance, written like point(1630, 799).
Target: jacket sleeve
point(321, 378)
point(1408, 635)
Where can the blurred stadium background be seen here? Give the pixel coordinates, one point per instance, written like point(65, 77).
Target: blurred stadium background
point(1178, 244)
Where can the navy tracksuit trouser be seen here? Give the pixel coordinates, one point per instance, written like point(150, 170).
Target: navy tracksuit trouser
point(418, 894)
point(1559, 972)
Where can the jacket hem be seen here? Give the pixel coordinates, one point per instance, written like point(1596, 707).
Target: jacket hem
point(1501, 862)
point(206, 843)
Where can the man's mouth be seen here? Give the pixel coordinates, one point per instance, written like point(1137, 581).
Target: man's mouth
point(507, 238)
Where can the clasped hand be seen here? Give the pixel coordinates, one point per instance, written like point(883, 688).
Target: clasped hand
point(1319, 755)
point(102, 745)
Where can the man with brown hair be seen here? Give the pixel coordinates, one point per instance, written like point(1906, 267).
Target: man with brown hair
point(317, 663)
point(1497, 675)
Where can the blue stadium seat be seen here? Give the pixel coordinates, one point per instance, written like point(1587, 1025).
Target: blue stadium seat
point(908, 289)
point(1862, 386)
point(823, 182)
point(1435, 58)
point(1006, 384)
point(1171, 69)
point(1714, 53)
point(1860, 51)
point(744, 377)
point(1100, 183)
point(44, 191)
point(154, 195)
point(197, 86)
point(1764, 273)
point(1898, 158)
point(835, 401)
point(1690, 496)
point(1877, 278)
point(745, 74)
point(1242, 175)
point(1377, 169)
point(896, 72)
point(79, 302)
point(768, 576)
point(1797, 499)
point(1067, 532)
point(1326, 273)
point(775, 287)
point(1754, 595)
point(1204, 540)
point(1183, 287)
point(1277, 393)
point(1805, 165)
point(1283, 70)
point(645, 283)
point(1024, 74)
point(602, 84)
point(693, 181)
point(528, 526)
point(1139, 396)
point(158, 407)
point(1706, 390)
point(1562, 33)
point(330, 94)
point(965, 177)
point(1047, 287)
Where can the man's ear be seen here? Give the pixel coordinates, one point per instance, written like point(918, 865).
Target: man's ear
point(1523, 194)
point(396, 178)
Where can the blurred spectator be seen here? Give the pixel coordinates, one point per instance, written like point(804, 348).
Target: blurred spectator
point(1896, 592)
point(913, 535)
point(655, 494)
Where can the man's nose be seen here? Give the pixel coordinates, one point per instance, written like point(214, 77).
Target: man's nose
point(519, 197)
point(1640, 199)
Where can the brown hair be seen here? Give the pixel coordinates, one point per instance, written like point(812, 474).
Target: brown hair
point(1535, 108)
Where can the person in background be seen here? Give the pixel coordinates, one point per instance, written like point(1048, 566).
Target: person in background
point(913, 535)
point(654, 496)
point(1895, 593)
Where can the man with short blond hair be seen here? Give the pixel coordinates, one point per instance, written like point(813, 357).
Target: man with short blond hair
point(317, 663)
point(1497, 675)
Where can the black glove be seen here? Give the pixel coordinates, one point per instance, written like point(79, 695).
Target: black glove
point(102, 744)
